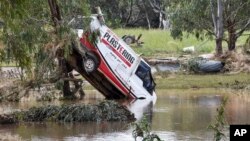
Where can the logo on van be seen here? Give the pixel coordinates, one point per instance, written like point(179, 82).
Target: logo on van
point(118, 49)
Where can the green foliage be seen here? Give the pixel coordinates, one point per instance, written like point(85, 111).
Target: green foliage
point(94, 36)
point(23, 31)
point(59, 85)
point(184, 81)
point(28, 27)
point(247, 46)
point(195, 17)
point(193, 64)
point(219, 124)
point(190, 16)
point(142, 129)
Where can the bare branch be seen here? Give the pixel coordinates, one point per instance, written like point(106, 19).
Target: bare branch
point(130, 12)
point(156, 8)
point(235, 13)
point(213, 16)
point(238, 34)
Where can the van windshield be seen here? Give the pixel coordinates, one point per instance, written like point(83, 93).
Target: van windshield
point(144, 73)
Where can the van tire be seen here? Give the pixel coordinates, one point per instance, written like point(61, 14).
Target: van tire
point(90, 62)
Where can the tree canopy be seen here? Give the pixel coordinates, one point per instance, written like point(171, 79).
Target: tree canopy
point(196, 17)
point(28, 26)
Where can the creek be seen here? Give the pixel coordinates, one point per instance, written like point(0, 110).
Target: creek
point(176, 115)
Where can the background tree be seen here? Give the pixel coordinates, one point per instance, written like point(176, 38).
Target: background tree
point(204, 18)
point(132, 13)
point(237, 20)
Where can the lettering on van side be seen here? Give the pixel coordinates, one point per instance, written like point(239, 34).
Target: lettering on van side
point(118, 49)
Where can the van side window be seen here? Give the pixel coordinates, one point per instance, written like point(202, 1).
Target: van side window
point(144, 73)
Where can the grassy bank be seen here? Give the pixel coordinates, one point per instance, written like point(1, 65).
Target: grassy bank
point(183, 81)
point(195, 81)
point(159, 43)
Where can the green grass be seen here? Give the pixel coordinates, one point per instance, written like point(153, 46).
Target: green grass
point(5, 64)
point(183, 81)
point(159, 43)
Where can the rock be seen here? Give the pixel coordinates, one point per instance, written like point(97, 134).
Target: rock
point(190, 49)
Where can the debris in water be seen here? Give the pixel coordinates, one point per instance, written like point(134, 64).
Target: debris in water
point(104, 111)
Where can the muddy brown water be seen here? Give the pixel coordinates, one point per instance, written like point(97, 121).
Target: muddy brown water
point(177, 115)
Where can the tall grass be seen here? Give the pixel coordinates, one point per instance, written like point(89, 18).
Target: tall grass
point(182, 81)
point(159, 43)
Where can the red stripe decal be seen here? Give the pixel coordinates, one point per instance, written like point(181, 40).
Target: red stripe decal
point(106, 71)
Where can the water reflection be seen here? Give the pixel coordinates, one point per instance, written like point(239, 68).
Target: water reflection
point(182, 113)
point(176, 115)
point(237, 109)
point(63, 130)
point(140, 108)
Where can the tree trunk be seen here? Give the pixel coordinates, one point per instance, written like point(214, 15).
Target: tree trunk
point(231, 35)
point(64, 69)
point(218, 25)
point(220, 31)
point(232, 42)
point(147, 17)
point(160, 20)
point(63, 66)
point(66, 89)
point(218, 48)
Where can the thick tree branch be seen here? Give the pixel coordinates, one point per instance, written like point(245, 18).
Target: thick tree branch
point(238, 34)
point(55, 12)
point(213, 16)
point(156, 8)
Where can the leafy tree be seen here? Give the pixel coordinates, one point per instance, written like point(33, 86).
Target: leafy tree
point(223, 19)
point(22, 32)
point(237, 20)
point(32, 28)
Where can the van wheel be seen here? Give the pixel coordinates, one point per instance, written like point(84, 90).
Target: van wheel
point(90, 63)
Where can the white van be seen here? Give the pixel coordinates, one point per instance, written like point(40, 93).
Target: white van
point(119, 70)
